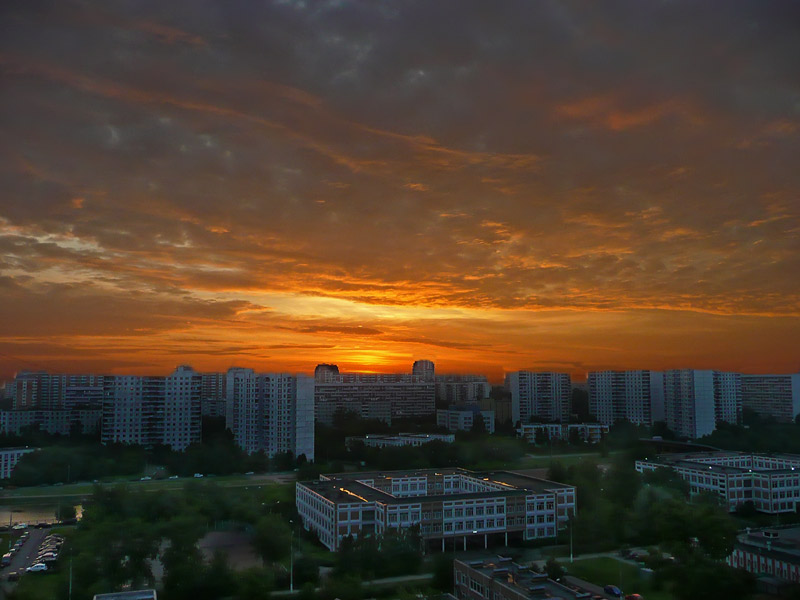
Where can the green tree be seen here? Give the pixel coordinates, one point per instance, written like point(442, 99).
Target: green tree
point(554, 569)
point(254, 584)
point(272, 537)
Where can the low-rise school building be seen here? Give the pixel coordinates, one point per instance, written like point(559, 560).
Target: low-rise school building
point(448, 505)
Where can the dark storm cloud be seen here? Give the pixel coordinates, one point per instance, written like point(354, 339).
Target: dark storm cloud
point(515, 155)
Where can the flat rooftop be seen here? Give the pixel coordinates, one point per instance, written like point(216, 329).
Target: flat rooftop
point(348, 487)
point(523, 580)
point(696, 462)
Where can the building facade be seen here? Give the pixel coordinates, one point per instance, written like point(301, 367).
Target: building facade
point(377, 440)
point(149, 411)
point(271, 412)
point(461, 389)
point(539, 396)
point(9, 457)
point(591, 433)
point(635, 396)
point(768, 552)
point(775, 396)
point(424, 369)
point(771, 483)
point(407, 395)
point(212, 395)
point(694, 401)
point(448, 505)
point(462, 418)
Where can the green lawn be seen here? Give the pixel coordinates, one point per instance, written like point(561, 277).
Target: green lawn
point(85, 489)
point(607, 570)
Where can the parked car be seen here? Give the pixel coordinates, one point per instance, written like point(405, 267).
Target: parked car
point(13, 576)
point(145, 478)
point(613, 590)
point(198, 475)
point(6, 560)
point(173, 477)
point(38, 567)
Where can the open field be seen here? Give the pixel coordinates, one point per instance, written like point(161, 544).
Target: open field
point(606, 570)
point(75, 491)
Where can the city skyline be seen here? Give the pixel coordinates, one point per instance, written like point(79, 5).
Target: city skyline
point(554, 187)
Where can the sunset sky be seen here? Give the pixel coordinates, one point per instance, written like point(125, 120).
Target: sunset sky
point(491, 185)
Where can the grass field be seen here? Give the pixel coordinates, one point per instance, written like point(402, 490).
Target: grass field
point(607, 570)
point(543, 461)
point(79, 490)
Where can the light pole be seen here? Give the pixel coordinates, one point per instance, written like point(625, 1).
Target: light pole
point(291, 558)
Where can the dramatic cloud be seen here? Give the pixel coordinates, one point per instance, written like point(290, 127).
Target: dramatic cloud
point(565, 185)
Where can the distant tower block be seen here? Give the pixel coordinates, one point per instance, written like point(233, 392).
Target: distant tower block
point(325, 373)
point(423, 369)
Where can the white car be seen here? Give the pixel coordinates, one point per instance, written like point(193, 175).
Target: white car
point(173, 476)
point(37, 568)
point(198, 475)
point(145, 478)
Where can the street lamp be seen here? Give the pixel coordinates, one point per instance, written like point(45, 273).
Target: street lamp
point(291, 558)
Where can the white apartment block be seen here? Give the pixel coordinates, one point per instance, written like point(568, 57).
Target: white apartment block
point(591, 433)
point(635, 396)
point(9, 457)
point(150, 411)
point(772, 483)
point(695, 400)
point(377, 440)
point(776, 396)
point(461, 389)
point(462, 418)
point(448, 505)
point(542, 396)
point(271, 412)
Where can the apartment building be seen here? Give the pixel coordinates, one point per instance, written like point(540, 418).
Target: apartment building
point(635, 396)
point(373, 410)
point(461, 389)
point(500, 578)
point(271, 412)
point(775, 396)
point(9, 457)
point(694, 401)
point(500, 406)
point(408, 395)
point(539, 396)
point(212, 395)
point(463, 418)
point(149, 410)
point(424, 369)
point(450, 506)
point(46, 391)
point(771, 483)
point(591, 433)
point(377, 440)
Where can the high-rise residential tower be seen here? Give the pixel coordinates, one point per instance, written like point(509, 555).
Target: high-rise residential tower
point(271, 412)
point(635, 396)
point(695, 401)
point(776, 396)
point(539, 396)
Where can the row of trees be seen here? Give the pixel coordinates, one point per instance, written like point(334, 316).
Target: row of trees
point(619, 507)
point(68, 460)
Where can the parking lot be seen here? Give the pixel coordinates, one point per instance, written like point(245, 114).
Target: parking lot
point(38, 546)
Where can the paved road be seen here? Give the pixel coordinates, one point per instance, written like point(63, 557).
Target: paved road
point(25, 556)
point(375, 582)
